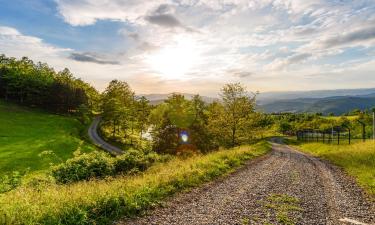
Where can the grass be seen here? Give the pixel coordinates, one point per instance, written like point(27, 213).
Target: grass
point(103, 201)
point(357, 159)
point(25, 133)
point(283, 205)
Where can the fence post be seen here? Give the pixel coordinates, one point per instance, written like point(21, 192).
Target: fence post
point(338, 137)
point(349, 136)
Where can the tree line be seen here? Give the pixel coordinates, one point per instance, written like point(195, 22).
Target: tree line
point(178, 124)
point(174, 126)
point(39, 85)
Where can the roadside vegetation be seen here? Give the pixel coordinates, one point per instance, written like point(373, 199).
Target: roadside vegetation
point(357, 159)
point(169, 147)
point(102, 201)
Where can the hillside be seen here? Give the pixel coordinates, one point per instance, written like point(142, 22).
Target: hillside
point(25, 133)
point(337, 105)
point(269, 97)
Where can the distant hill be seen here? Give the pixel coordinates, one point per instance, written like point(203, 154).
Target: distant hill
point(337, 104)
point(159, 98)
point(268, 97)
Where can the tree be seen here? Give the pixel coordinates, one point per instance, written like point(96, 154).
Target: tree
point(117, 107)
point(143, 113)
point(238, 106)
point(36, 84)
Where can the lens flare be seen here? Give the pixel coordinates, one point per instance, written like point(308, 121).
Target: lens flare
point(184, 136)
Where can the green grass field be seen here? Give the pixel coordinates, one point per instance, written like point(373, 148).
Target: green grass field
point(25, 133)
point(357, 159)
point(102, 201)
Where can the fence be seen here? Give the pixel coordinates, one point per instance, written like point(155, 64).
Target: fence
point(335, 135)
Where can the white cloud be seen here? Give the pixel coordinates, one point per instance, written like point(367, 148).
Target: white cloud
point(87, 12)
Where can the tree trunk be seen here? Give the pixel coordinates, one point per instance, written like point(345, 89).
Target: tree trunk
point(114, 128)
point(233, 136)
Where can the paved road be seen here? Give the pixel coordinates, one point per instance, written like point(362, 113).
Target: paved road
point(94, 136)
point(284, 187)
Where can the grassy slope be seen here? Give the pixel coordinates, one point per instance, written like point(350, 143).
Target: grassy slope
point(102, 201)
point(24, 133)
point(357, 159)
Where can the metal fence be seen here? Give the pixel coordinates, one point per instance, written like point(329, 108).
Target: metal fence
point(335, 135)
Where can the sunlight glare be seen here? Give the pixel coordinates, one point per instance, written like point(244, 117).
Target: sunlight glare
point(174, 61)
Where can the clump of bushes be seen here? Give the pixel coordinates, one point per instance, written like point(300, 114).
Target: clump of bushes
point(99, 164)
point(11, 181)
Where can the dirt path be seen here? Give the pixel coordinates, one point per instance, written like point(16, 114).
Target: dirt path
point(97, 140)
point(285, 187)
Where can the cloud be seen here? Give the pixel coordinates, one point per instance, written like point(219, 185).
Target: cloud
point(16, 44)
point(164, 20)
point(168, 21)
point(89, 57)
point(239, 73)
point(133, 35)
point(356, 37)
point(87, 12)
point(279, 64)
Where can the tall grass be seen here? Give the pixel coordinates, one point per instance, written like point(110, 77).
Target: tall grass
point(357, 159)
point(102, 201)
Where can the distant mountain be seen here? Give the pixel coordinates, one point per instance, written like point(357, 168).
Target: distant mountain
point(268, 97)
point(336, 104)
point(159, 98)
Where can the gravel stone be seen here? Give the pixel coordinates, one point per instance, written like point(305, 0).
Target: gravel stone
point(326, 195)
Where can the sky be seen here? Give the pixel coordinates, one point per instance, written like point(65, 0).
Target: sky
point(196, 46)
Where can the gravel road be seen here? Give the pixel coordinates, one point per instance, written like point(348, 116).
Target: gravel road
point(97, 140)
point(284, 187)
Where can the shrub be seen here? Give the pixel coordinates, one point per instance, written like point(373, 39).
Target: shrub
point(103, 201)
point(134, 160)
point(100, 164)
point(10, 182)
point(84, 167)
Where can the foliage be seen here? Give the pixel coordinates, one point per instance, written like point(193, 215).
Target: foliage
point(134, 161)
point(229, 122)
point(84, 167)
point(32, 84)
point(288, 123)
point(238, 106)
point(102, 201)
point(178, 116)
point(125, 116)
point(99, 164)
point(10, 182)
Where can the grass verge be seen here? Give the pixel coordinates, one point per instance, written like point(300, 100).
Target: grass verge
point(358, 160)
point(102, 201)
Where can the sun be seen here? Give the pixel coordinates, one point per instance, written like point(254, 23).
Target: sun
point(174, 61)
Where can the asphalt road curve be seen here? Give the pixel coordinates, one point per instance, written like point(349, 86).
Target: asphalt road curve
point(97, 140)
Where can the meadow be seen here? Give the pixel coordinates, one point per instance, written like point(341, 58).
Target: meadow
point(102, 201)
point(25, 133)
point(357, 159)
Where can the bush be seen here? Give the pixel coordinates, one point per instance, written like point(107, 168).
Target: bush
point(103, 201)
point(84, 167)
point(134, 160)
point(100, 164)
point(10, 182)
